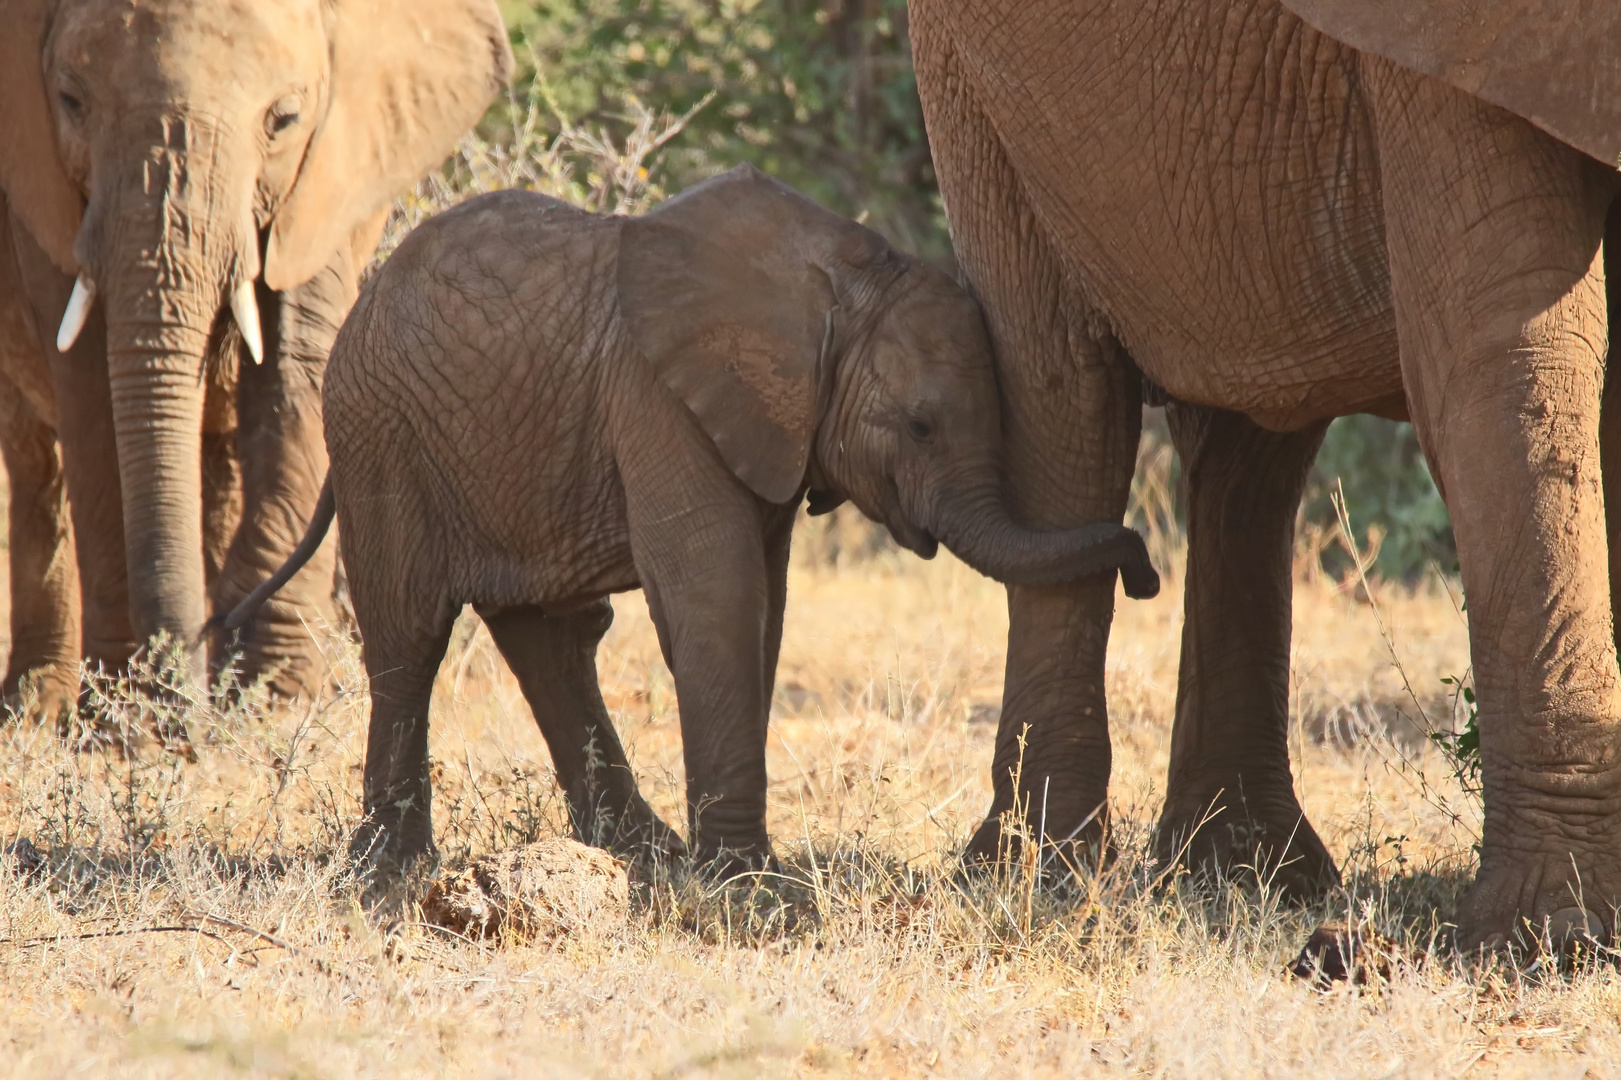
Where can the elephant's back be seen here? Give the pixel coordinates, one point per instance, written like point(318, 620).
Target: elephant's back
point(496, 258)
point(470, 373)
point(496, 299)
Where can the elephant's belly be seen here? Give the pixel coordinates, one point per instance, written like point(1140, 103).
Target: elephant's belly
point(553, 542)
point(1209, 172)
point(560, 581)
point(504, 578)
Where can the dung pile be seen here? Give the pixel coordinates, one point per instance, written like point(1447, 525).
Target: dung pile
point(544, 890)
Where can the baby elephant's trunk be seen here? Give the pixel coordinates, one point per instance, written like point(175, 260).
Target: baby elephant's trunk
point(979, 531)
point(244, 612)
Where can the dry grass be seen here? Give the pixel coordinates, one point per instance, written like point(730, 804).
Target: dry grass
point(873, 963)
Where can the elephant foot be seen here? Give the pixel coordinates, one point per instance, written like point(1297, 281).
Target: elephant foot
point(635, 833)
point(390, 844)
point(1542, 903)
point(1072, 842)
point(745, 859)
point(48, 694)
point(1265, 841)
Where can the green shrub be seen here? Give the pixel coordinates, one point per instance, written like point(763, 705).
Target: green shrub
point(1387, 488)
point(819, 94)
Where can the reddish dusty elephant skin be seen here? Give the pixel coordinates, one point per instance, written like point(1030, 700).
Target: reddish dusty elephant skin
point(191, 190)
point(1557, 63)
point(1278, 229)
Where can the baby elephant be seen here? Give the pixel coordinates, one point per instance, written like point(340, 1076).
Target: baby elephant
point(532, 407)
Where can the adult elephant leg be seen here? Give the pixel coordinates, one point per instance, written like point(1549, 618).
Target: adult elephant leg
point(95, 495)
point(1072, 411)
point(89, 461)
point(44, 578)
point(1230, 800)
point(1610, 411)
point(44, 582)
point(283, 463)
point(77, 383)
point(1494, 236)
point(555, 660)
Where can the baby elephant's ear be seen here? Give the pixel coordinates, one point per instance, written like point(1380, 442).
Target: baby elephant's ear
point(727, 291)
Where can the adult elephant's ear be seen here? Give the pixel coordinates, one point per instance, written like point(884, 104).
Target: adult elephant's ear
point(31, 176)
point(409, 77)
point(1556, 64)
point(729, 290)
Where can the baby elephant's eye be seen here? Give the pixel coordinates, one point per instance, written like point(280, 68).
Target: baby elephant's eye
point(71, 103)
point(919, 428)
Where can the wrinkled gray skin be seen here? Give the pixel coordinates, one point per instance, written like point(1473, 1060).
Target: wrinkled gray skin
point(217, 171)
point(532, 407)
point(1275, 230)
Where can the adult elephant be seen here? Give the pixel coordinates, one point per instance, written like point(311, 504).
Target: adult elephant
point(185, 182)
point(1390, 207)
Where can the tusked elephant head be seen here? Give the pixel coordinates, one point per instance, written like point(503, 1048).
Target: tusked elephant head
point(175, 156)
point(814, 353)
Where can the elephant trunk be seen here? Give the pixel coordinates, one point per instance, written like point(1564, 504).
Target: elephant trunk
point(168, 257)
point(974, 523)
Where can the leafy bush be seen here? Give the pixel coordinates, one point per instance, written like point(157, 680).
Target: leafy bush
point(1389, 490)
point(819, 94)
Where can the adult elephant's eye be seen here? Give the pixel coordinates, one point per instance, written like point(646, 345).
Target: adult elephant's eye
point(70, 103)
point(282, 115)
point(919, 429)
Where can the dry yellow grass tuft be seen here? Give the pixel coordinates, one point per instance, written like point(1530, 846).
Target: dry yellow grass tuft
point(196, 918)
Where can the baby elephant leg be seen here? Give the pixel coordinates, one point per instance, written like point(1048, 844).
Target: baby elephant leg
point(403, 645)
point(555, 660)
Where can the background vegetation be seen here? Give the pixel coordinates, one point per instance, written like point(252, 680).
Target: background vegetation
point(821, 94)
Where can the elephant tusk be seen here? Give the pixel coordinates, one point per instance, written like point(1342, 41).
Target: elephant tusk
point(84, 295)
point(246, 310)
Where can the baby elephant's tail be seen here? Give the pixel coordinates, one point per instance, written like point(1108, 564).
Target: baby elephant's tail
point(320, 522)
